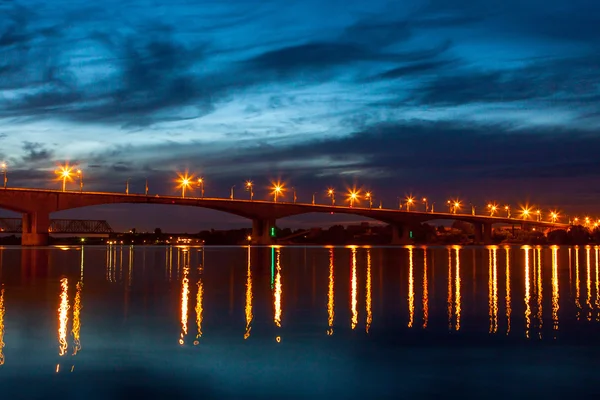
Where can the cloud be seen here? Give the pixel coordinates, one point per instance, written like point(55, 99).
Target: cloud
point(36, 152)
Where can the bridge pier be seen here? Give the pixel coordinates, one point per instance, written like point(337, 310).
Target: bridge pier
point(478, 232)
point(487, 233)
point(261, 232)
point(35, 229)
point(401, 235)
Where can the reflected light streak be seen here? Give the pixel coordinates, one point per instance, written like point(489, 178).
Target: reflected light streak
point(199, 310)
point(588, 262)
point(248, 306)
point(449, 300)
point(63, 317)
point(277, 296)
point(457, 298)
point(369, 288)
point(555, 293)
point(425, 291)
point(2, 312)
point(330, 295)
point(597, 284)
point(185, 293)
point(527, 294)
point(577, 294)
point(539, 291)
point(411, 289)
point(353, 287)
point(493, 288)
point(508, 305)
point(77, 319)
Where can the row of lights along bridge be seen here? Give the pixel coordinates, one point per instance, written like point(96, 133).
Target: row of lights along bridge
point(353, 196)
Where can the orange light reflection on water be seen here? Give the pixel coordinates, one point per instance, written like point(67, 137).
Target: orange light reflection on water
point(527, 294)
point(508, 299)
point(248, 305)
point(63, 317)
point(425, 291)
point(368, 304)
point(457, 299)
point(277, 295)
point(2, 311)
point(77, 319)
point(411, 289)
point(330, 294)
point(555, 293)
point(185, 293)
point(354, 294)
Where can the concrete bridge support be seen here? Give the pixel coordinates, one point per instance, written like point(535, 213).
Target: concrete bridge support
point(401, 235)
point(261, 232)
point(478, 233)
point(487, 233)
point(35, 229)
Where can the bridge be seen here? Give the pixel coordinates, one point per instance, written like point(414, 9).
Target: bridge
point(60, 226)
point(36, 205)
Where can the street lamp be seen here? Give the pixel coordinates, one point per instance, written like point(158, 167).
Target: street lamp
point(449, 206)
point(369, 196)
point(331, 193)
point(249, 187)
point(553, 216)
point(4, 172)
point(201, 183)
point(231, 192)
point(277, 191)
point(507, 209)
point(294, 195)
point(426, 204)
point(353, 196)
point(525, 212)
point(146, 188)
point(313, 198)
point(185, 183)
point(127, 186)
point(80, 175)
point(64, 173)
point(409, 202)
point(539, 215)
point(473, 207)
point(493, 208)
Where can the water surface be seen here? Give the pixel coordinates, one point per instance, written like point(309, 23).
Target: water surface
point(350, 322)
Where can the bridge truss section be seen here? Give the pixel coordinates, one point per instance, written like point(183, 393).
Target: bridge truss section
point(81, 226)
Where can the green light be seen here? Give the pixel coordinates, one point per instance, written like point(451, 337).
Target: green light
point(410, 234)
point(273, 233)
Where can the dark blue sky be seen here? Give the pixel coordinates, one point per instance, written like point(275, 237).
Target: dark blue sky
point(494, 100)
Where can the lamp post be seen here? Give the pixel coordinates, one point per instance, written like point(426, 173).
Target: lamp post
point(231, 192)
point(539, 215)
point(80, 175)
point(331, 193)
point(294, 195)
point(277, 189)
point(201, 183)
point(65, 174)
point(127, 186)
point(507, 209)
point(432, 204)
point(353, 197)
point(250, 188)
point(4, 172)
point(473, 207)
point(369, 196)
point(409, 203)
point(185, 182)
point(313, 199)
point(449, 206)
point(426, 204)
point(493, 208)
